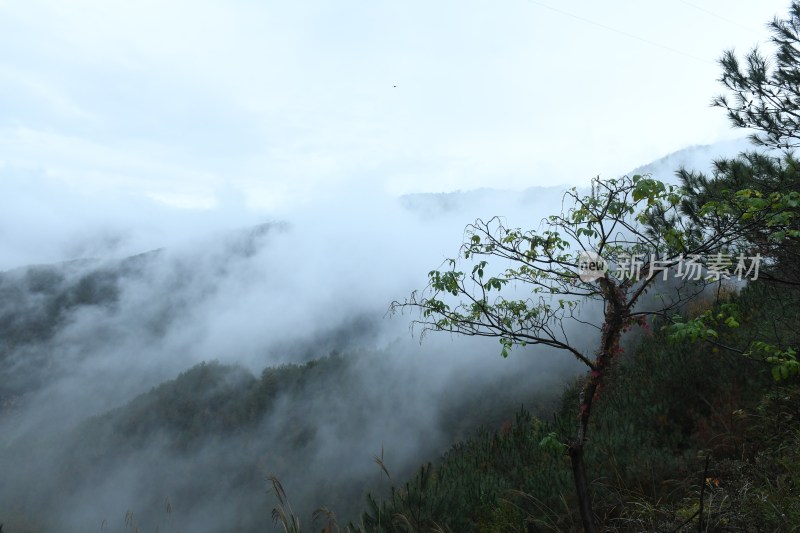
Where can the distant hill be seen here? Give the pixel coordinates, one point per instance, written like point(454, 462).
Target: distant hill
point(699, 157)
point(104, 407)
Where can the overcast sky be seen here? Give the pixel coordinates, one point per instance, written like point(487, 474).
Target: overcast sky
point(196, 104)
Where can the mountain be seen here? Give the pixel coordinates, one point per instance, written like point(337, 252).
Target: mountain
point(88, 347)
point(190, 373)
point(698, 157)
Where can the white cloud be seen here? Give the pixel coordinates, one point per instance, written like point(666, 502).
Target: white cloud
point(282, 101)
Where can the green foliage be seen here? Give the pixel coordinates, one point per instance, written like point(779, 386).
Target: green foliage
point(760, 190)
point(671, 404)
point(784, 361)
point(551, 443)
point(765, 94)
point(464, 489)
point(704, 327)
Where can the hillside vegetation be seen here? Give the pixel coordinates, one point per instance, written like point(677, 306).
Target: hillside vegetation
point(684, 423)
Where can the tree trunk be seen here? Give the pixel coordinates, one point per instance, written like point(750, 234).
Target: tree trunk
point(609, 347)
point(582, 487)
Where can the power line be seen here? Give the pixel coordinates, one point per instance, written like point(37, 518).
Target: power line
point(720, 17)
point(623, 33)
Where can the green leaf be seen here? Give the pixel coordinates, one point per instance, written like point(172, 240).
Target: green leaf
point(552, 444)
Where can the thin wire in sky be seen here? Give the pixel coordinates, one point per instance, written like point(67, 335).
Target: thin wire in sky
point(623, 33)
point(720, 17)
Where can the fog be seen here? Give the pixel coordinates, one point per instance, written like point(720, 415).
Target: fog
point(134, 293)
